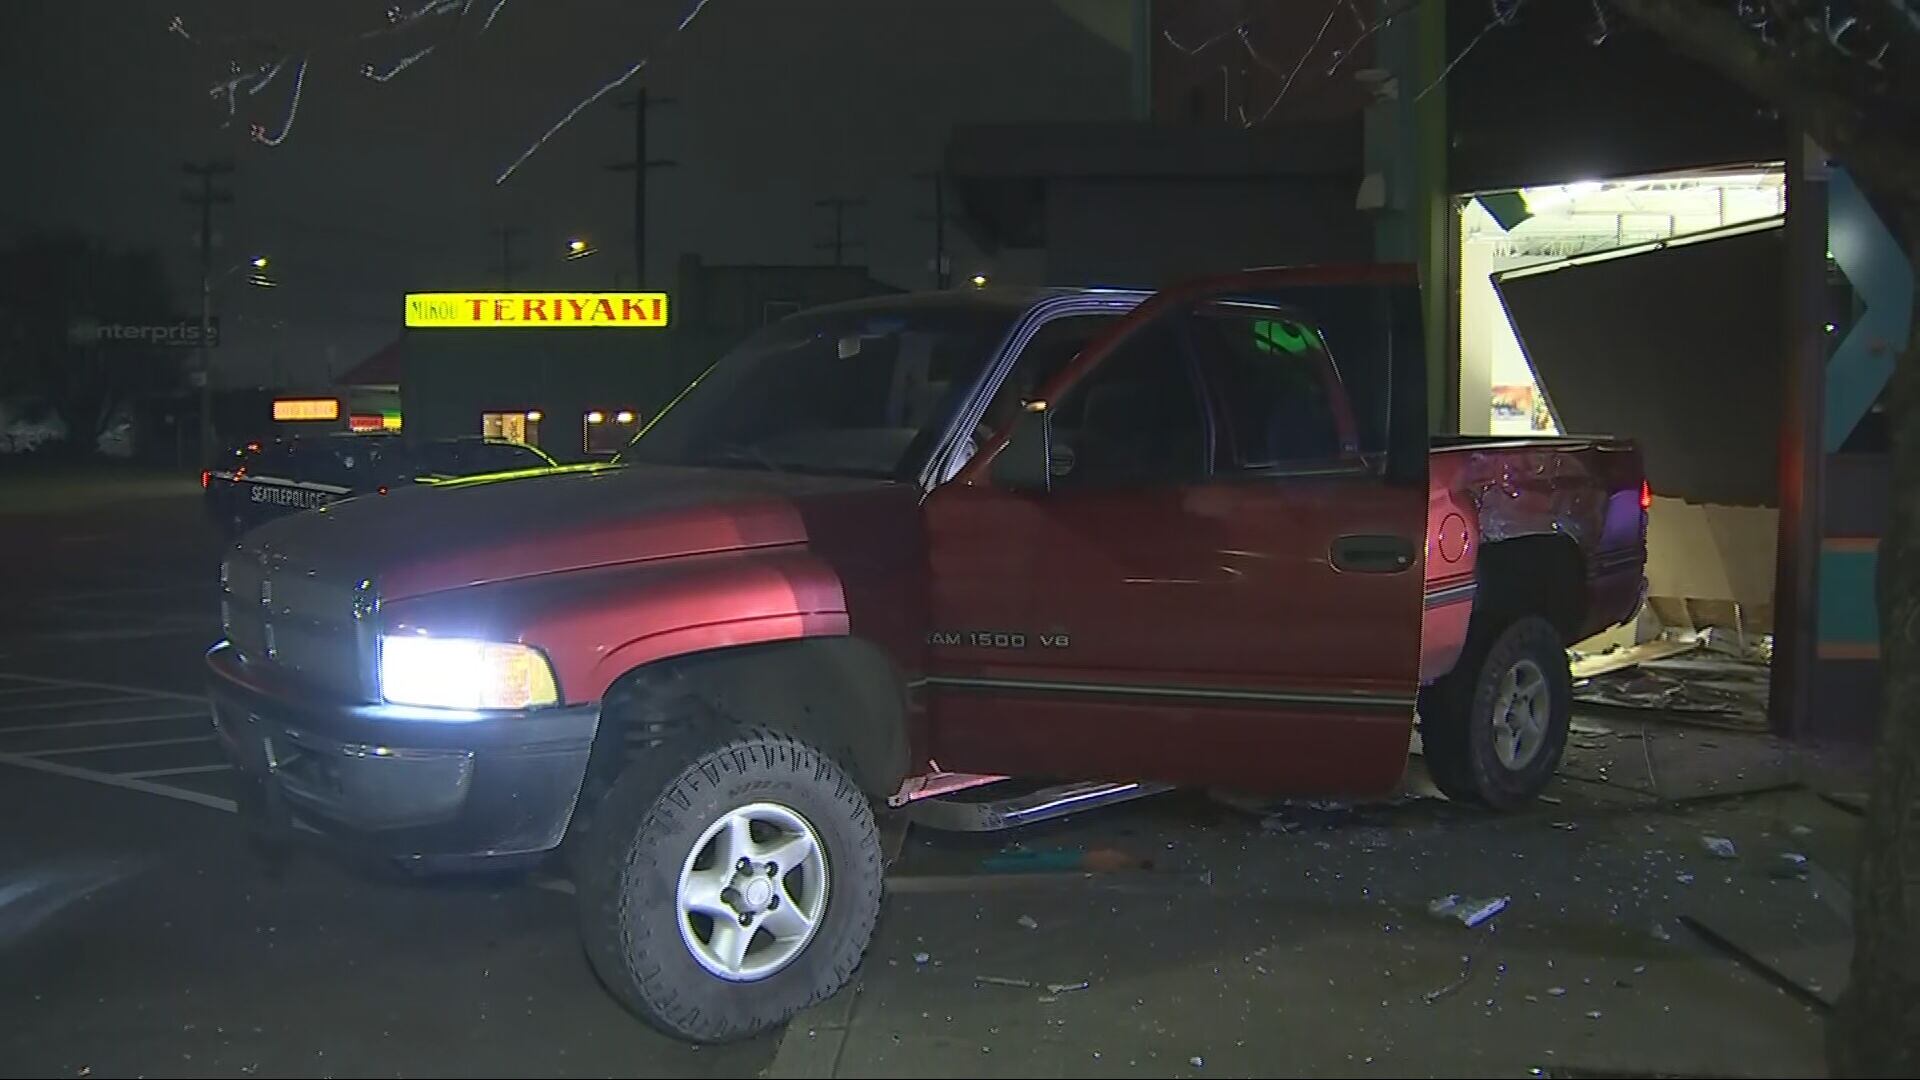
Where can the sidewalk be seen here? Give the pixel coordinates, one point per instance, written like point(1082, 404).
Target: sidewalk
point(1252, 952)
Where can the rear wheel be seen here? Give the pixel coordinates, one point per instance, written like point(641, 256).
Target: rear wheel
point(1494, 728)
point(723, 889)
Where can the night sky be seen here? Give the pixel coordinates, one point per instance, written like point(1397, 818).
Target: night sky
point(382, 188)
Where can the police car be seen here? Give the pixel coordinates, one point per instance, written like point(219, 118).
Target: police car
point(263, 480)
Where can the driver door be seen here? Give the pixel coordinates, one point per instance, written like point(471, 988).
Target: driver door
point(1123, 588)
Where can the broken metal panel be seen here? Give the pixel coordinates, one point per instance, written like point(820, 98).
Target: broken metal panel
point(1679, 346)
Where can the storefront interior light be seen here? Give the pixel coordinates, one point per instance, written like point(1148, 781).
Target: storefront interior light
point(1541, 198)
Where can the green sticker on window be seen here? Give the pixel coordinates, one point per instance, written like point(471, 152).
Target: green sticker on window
point(1281, 335)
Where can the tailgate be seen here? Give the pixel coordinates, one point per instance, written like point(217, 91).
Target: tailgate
point(275, 491)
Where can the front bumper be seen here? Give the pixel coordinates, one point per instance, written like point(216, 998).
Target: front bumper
point(404, 781)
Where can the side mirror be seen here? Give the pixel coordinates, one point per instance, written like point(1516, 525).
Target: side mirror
point(1033, 456)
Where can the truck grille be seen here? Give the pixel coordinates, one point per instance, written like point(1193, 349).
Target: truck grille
point(298, 620)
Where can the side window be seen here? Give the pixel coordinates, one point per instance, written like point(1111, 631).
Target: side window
point(504, 457)
point(439, 459)
point(275, 459)
point(1134, 420)
point(343, 465)
point(1276, 395)
point(1045, 354)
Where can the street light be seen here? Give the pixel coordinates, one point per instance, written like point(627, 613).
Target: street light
point(979, 281)
point(579, 249)
point(623, 417)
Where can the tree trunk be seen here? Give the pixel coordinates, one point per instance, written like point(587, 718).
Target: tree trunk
point(1876, 1031)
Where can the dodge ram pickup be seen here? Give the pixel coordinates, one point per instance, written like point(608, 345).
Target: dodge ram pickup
point(1195, 537)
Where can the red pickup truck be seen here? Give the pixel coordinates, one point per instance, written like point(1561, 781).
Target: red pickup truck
point(1196, 537)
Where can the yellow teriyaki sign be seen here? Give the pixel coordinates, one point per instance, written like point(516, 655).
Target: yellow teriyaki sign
point(537, 309)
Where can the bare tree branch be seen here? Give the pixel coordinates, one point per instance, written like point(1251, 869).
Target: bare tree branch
point(293, 111)
point(605, 89)
point(1874, 135)
point(1291, 75)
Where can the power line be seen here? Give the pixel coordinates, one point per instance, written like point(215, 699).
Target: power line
point(839, 204)
point(206, 197)
point(508, 264)
point(638, 166)
point(942, 265)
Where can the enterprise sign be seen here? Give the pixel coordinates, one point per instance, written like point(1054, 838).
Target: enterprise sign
point(536, 310)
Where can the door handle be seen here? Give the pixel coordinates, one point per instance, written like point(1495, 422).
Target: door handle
point(1373, 554)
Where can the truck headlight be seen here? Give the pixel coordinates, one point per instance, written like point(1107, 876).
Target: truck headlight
point(460, 673)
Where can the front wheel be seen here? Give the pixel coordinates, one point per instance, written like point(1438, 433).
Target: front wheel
point(1494, 728)
point(722, 891)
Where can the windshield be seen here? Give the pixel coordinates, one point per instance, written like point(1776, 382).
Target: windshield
point(861, 392)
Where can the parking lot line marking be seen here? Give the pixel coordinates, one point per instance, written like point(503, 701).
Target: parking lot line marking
point(9, 691)
point(89, 684)
point(182, 741)
point(6, 730)
point(184, 770)
point(71, 772)
point(41, 706)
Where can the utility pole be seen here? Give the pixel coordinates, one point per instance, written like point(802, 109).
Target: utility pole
point(942, 265)
point(206, 197)
point(839, 244)
point(508, 264)
point(638, 166)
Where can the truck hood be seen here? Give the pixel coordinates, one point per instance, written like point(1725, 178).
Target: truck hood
point(426, 538)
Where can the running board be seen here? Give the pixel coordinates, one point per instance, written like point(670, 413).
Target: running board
point(1046, 804)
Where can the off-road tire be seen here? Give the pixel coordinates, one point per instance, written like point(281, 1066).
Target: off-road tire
point(1456, 717)
point(641, 836)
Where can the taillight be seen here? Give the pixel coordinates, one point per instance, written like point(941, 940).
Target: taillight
point(1646, 495)
point(206, 479)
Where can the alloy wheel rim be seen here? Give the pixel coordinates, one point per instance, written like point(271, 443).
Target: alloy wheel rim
point(752, 891)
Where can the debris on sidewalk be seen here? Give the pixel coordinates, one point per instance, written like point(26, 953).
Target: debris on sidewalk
point(1556, 991)
point(1791, 866)
point(922, 959)
point(1466, 975)
point(1067, 988)
point(1197, 1061)
point(1095, 861)
point(1661, 933)
point(1719, 846)
point(1800, 830)
point(1470, 911)
point(1002, 980)
point(1028, 922)
point(1291, 815)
